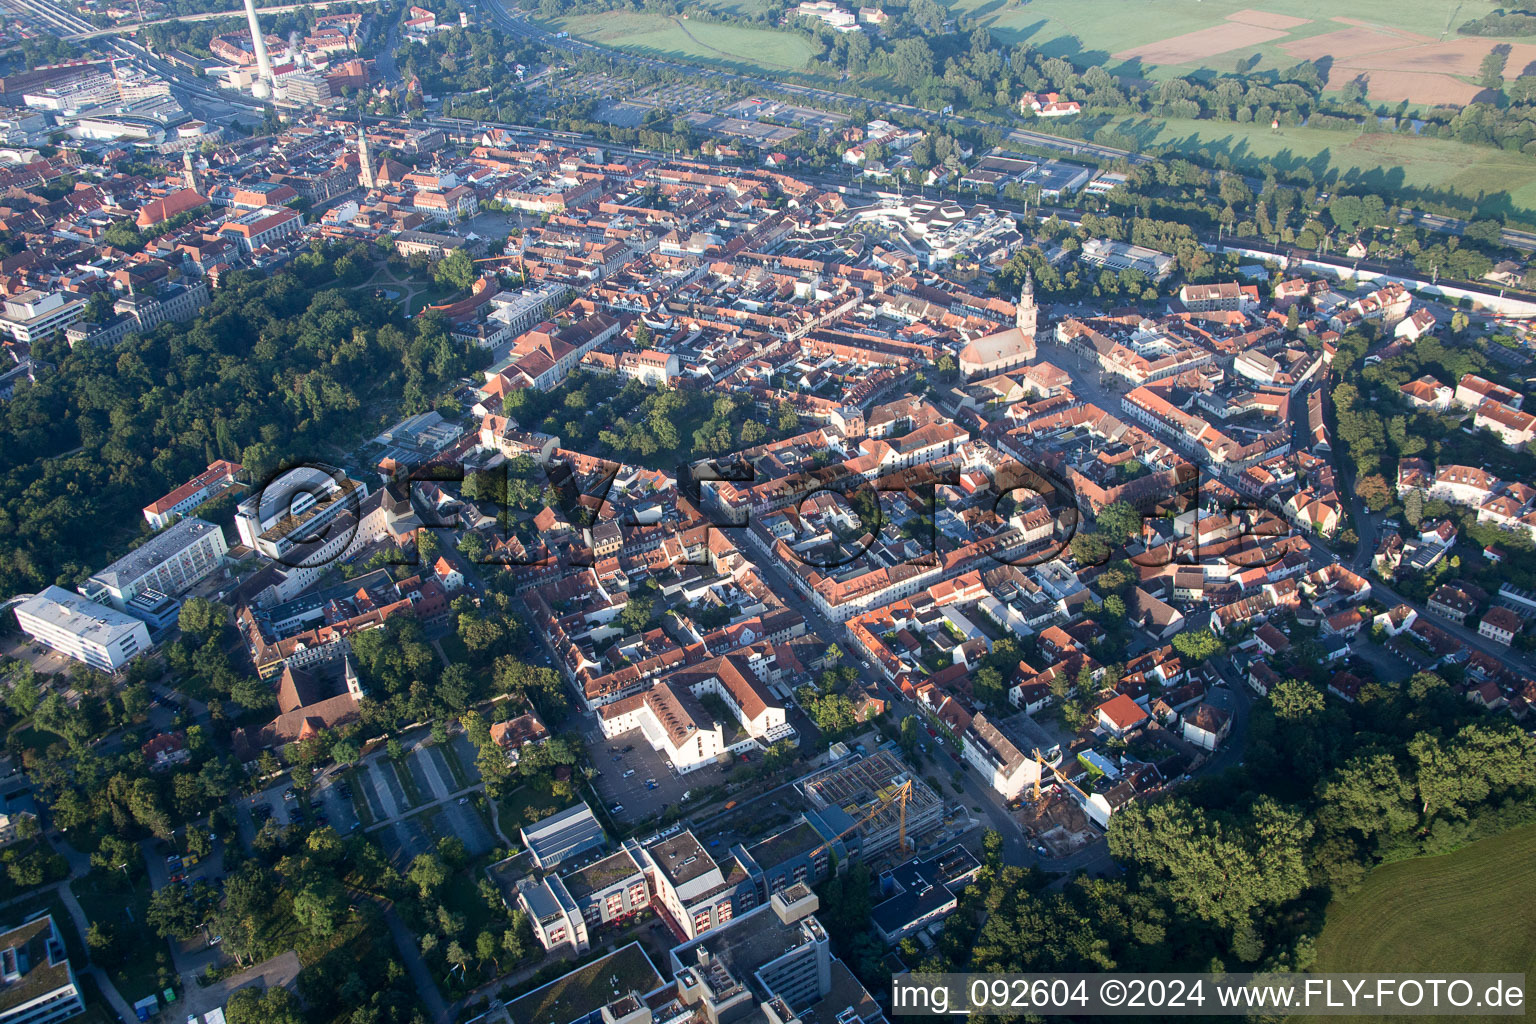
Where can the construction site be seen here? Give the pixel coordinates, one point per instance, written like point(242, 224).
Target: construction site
point(874, 803)
point(1052, 816)
point(1056, 821)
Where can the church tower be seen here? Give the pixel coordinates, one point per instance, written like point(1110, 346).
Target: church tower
point(1026, 315)
point(364, 160)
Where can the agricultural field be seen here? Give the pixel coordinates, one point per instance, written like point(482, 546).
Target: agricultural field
point(1438, 914)
point(1404, 50)
point(657, 35)
point(1503, 182)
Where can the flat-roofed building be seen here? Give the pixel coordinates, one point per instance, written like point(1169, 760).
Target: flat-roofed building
point(921, 891)
point(305, 519)
point(34, 316)
point(562, 836)
point(100, 636)
point(170, 563)
point(37, 983)
point(778, 956)
point(697, 892)
point(795, 855)
point(566, 909)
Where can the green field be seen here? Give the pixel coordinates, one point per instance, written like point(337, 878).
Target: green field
point(658, 35)
point(1378, 160)
point(1092, 30)
point(1466, 911)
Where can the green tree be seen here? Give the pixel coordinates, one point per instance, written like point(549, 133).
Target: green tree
point(273, 1005)
point(171, 912)
point(427, 873)
point(24, 694)
point(1197, 645)
point(318, 907)
point(456, 270)
point(636, 615)
point(1490, 73)
point(1119, 522)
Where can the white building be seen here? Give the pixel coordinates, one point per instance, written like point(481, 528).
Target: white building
point(34, 316)
point(266, 226)
point(218, 477)
point(672, 721)
point(170, 563)
point(102, 637)
point(649, 366)
point(1006, 768)
point(830, 13)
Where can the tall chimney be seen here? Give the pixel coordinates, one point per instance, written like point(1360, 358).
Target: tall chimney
point(259, 44)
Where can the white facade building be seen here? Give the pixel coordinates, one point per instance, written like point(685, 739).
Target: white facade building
point(95, 634)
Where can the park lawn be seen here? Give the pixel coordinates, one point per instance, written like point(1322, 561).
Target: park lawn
point(1503, 181)
point(534, 795)
point(408, 781)
point(103, 898)
point(364, 800)
point(454, 649)
point(1464, 911)
point(740, 8)
point(411, 798)
point(656, 35)
point(1092, 31)
point(33, 738)
point(481, 806)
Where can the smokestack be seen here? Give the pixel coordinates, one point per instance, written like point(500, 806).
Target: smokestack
point(259, 44)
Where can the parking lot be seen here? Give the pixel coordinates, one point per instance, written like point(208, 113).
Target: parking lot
point(464, 818)
point(639, 801)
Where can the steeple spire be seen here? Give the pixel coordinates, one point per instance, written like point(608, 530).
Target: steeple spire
point(364, 160)
point(1026, 316)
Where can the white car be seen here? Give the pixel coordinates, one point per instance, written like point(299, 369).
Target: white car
point(629, 772)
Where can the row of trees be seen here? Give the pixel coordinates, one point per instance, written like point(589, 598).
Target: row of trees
point(1235, 872)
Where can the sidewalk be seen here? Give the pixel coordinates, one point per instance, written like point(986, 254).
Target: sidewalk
point(108, 990)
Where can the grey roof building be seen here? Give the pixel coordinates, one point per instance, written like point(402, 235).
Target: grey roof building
point(562, 836)
point(170, 562)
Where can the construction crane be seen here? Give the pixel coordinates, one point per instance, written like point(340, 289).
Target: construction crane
point(897, 795)
point(1041, 765)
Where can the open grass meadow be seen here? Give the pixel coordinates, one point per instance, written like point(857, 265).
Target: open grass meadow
point(1464, 911)
point(656, 35)
point(1502, 182)
point(1094, 31)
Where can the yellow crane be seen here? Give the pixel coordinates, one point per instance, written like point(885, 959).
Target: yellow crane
point(898, 795)
point(1041, 765)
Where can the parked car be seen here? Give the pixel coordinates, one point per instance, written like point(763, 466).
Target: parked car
point(628, 772)
point(616, 809)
